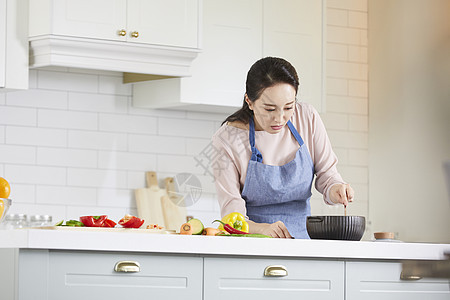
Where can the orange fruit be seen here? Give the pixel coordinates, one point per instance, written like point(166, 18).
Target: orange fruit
point(2, 208)
point(5, 189)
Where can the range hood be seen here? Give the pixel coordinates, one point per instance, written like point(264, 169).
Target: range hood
point(97, 54)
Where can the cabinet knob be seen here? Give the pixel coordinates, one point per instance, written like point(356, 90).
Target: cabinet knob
point(135, 34)
point(122, 32)
point(127, 267)
point(275, 271)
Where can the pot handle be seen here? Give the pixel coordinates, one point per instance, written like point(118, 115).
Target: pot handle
point(315, 219)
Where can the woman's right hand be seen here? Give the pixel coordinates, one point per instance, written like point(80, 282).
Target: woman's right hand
point(276, 230)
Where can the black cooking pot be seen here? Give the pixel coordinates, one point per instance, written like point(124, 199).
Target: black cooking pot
point(336, 227)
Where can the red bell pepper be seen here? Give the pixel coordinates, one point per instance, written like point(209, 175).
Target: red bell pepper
point(109, 223)
point(93, 221)
point(131, 222)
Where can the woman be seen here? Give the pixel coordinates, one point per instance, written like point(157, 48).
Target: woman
point(269, 152)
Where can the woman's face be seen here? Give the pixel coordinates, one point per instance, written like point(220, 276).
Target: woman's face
point(274, 108)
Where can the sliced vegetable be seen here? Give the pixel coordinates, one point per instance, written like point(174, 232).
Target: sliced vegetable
point(212, 231)
point(154, 226)
point(109, 223)
point(235, 220)
point(93, 221)
point(129, 221)
point(59, 223)
point(197, 226)
point(230, 229)
point(71, 223)
point(186, 228)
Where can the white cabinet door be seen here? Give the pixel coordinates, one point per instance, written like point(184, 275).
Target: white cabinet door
point(164, 22)
point(293, 30)
point(381, 280)
point(96, 19)
point(2, 42)
point(75, 275)
point(227, 278)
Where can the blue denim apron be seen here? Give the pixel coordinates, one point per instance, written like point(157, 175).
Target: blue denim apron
point(279, 193)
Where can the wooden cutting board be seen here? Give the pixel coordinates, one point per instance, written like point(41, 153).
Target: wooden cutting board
point(173, 207)
point(148, 201)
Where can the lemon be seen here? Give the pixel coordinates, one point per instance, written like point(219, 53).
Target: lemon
point(5, 188)
point(2, 207)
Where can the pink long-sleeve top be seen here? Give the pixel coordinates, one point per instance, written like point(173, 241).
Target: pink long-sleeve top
point(232, 148)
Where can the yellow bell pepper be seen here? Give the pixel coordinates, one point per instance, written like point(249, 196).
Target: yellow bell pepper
point(235, 220)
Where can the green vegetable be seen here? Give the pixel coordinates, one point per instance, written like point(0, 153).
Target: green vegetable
point(197, 226)
point(71, 223)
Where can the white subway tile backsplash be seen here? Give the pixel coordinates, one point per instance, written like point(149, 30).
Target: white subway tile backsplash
point(18, 116)
point(344, 35)
point(67, 119)
point(350, 105)
point(126, 123)
point(136, 180)
point(196, 146)
point(342, 155)
point(337, 17)
point(358, 157)
point(187, 128)
point(338, 69)
point(64, 81)
point(358, 54)
point(113, 160)
point(336, 86)
point(38, 98)
point(114, 85)
point(357, 19)
point(355, 175)
point(97, 140)
point(66, 195)
point(161, 113)
point(358, 123)
point(337, 52)
point(2, 134)
point(96, 178)
point(17, 154)
point(2, 99)
point(193, 115)
point(359, 5)
point(36, 136)
point(116, 198)
point(98, 102)
point(176, 164)
point(335, 121)
point(358, 88)
point(156, 144)
point(23, 193)
point(67, 157)
point(113, 213)
point(58, 212)
point(35, 174)
point(344, 139)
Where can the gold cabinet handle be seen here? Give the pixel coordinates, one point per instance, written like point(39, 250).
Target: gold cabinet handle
point(127, 267)
point(275, 271)
point(135, 34)
point(409, 277)
point(122, 32)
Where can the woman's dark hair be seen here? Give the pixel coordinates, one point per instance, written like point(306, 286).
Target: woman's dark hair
point(263, 74)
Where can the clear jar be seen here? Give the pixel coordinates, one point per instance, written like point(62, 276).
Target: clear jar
point(40, 220)
point(13, 221)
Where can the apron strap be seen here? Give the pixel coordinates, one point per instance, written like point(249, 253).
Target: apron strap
point(256, 155)
point(295, 133)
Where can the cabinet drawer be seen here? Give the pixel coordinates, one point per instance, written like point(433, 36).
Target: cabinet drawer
point(86, 275)
point(245, 278)
point(381, 280)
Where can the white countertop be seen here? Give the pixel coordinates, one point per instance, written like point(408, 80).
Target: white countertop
point(136, 241)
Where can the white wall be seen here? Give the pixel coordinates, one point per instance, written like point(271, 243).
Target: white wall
point(409, 118)
point(74, 145)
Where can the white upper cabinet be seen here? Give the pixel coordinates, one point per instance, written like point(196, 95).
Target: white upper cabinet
point(13, 44)
point(159, 37)
point(235, 35)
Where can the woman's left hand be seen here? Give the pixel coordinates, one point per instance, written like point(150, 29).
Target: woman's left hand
point(342, 193)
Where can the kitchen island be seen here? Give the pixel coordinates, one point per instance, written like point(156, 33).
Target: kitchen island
point(74, 263)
